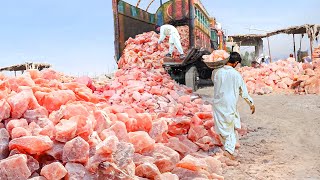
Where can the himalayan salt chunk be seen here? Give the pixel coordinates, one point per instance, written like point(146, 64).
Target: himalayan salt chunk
point(183, 173)
point(5, 110)
point(14, 167)
point(167, 176)
point(192, 163)
point(32, 115)
point(31, 144)
point(213, 164)
point(54, 171)
point(184, 99)
point(159, 128)
point(84, 125)
point(76, 150)
point(56, 151)
point(140, 140)
point(165, 157)
point(55, 99)
point(119, 129)
point(123, 155)
point(4, 143)
point(74, 109)
point(19, 132)
point(143, 123)
point(196, 132)
point(182, 145)
point(205, 143)
point(107, 146)
point(65, 130)
point(102, 121)
point(204, 115)
point(309, 72)
point(20, 103)
point(140, 159)
point(49, 74)
point(16, 123)
point(136, 95)
point(77, 171)
point(147, 170)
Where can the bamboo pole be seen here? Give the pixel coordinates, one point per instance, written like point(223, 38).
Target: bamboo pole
point(294, 48)
point(138, 3)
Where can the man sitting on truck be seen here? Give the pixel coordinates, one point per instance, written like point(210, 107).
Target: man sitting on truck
point(174, 38)
point(228, 85)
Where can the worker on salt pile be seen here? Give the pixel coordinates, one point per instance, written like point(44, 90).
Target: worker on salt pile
point(228, 85)
point(174, 38)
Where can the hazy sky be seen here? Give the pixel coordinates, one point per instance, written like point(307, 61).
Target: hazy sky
point(76, 36)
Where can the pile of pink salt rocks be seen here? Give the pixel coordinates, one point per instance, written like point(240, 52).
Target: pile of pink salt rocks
point(141, 125)
point(286, 76)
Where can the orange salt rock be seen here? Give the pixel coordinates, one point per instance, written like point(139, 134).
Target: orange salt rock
point(16, 123)
point(19, 132)
point(147, 170)
point(196, 132)
point(65, 130)
point(167, 176)
point(14, 167)
point(31, 144)
point(53, 171)
point(107, 146)
point(55, 99)
point(140, 140)
point(5, 109)
point(165, 157)
point(32, 115)
point(76, 150)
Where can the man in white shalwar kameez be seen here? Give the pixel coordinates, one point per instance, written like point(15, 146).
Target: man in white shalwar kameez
point(228, 85)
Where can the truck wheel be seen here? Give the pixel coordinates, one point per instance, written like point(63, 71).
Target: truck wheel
point(192, 78)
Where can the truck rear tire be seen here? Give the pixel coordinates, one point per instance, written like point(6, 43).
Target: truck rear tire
point(192, 78)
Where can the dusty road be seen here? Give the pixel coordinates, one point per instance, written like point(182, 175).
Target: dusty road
point(283, 140)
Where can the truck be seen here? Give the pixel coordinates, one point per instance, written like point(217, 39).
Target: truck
point(204, 35)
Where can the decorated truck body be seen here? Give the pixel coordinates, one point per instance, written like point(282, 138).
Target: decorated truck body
point(130, 20)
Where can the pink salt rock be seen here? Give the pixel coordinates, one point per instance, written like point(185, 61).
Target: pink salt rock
point(34, 129)
point(119, 129)
point(76, 150)
point(140, 140)
point(19, 132)
point(5, 110)
point(49, 74)
point(167, 176)
point(159, 128)
point(192, 163)
point(143, 123)
point(147, 170)
point(182, 145)
point(122, 157)
point(197, 132)
point(21, 102)
point(282, 85)
point(55, 99)
point(102, 121)
point(205, 143)
point(84, 125)
point(183, 173)
point(56, 151)
point(309, 72)
point(32, 164)
point(4, 143)
point(53, 171)
point(165, 157)
point(184, 99)
point(107, 146)
point(32, 115)
point(14, 167)
point(77, 171)
point(31, 144)
point(74, 109)
point(136, 96)
point(139, 159)
point(205, 115)
point(65, 130)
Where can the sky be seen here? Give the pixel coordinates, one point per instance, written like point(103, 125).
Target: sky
point(76, 36)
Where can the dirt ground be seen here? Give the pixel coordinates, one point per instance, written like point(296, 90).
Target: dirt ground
point(283, 140)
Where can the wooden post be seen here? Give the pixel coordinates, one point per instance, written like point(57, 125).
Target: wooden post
point(269, 50)
point(311, 48)
point(294, 48)
point(191, 24)
point(116, 29)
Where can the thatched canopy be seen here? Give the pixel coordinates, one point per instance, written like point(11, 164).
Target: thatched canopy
point(311, 29)
point(25, 66)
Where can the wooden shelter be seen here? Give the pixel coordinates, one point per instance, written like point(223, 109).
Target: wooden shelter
point(25, 66)
point(312, 30)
